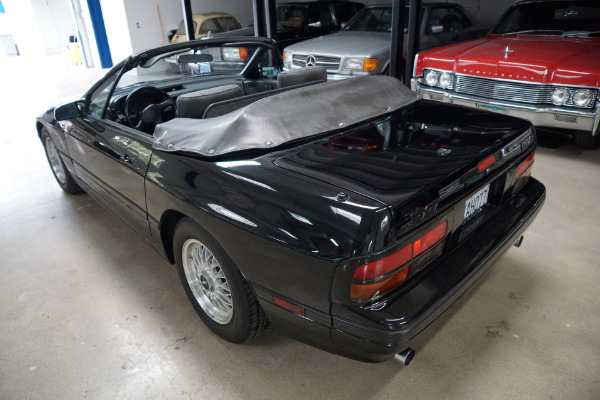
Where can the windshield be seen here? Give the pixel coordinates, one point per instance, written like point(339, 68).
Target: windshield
point(291, 16)
point(203, 61)
point(372, 19)
point(551, 18)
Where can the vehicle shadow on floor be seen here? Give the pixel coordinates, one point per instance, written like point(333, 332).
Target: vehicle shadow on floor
point(563, 146)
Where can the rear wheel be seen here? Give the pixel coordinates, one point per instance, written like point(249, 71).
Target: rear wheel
point(585, 140)
point(214, 285)
point(61, 173)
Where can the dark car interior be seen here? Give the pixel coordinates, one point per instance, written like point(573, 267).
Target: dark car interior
point(194, 93)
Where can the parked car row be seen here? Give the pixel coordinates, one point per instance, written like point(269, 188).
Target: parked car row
point(539, 62)
point(296, 21)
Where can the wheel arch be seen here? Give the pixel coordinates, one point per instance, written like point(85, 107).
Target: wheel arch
point(38, 127)
point(167, 224)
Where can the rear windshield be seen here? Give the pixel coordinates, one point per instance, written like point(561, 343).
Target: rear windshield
point(553, 18)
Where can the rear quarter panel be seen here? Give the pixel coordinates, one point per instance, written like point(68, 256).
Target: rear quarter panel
point(284, 231)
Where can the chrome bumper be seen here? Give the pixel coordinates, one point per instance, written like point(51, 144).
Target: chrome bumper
point(548, 117)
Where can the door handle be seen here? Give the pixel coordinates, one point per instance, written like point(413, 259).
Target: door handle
point(130, 156)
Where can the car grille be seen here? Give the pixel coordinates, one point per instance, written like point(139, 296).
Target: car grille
point(299, 60)
point(507, 91)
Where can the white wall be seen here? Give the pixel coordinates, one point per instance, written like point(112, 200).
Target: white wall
point(4, 28)
point(117, 30)
point(143, 21)
point(55, 21)
point(26, 35)
point(144, 18)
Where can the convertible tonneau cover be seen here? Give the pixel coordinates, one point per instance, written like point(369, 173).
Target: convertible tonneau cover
point(285, 117)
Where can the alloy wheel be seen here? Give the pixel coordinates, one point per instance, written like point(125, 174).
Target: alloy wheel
point(207, 281)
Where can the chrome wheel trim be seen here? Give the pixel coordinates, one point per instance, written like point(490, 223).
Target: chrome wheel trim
point(207, 281)
point(55, 161)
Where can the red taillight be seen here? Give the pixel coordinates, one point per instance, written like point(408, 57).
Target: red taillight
point(369, 291)
point(486, 163)
point(384, 266)
point(379, 270)
point(525, 165)
point(430, 239)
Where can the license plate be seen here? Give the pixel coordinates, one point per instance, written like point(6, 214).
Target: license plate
point(474, 203)
point(495, 109)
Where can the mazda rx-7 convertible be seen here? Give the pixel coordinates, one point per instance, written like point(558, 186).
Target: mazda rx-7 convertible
point(350, 214)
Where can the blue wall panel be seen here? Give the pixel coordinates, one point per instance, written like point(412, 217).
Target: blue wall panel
point(100, 33)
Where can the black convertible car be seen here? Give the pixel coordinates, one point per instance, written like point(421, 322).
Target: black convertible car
point(349, 214)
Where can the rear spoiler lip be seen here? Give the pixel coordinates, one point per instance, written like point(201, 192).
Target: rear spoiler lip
point(506, 154)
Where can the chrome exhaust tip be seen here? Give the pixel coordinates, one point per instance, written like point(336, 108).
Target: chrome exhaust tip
point(518, 242)
point(405, 356)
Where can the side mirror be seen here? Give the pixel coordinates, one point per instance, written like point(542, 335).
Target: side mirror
point(315, 24)
point(68, 111)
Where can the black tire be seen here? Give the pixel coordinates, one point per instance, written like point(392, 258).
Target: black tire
point(59, 170)
point(585, 140)
point(220, 295)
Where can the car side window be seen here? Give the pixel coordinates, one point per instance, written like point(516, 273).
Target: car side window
point(291, 16)
point(320, 15)
point(449, 17)
point(96, 101)
point(344, 12)
point(208, 25)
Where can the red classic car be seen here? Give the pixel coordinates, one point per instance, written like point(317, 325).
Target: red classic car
point(540, 62)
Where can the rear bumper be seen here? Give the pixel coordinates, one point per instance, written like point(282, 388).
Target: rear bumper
point(407, 319)
point(547, 117)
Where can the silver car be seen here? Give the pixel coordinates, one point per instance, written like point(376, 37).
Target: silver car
point(363, 46)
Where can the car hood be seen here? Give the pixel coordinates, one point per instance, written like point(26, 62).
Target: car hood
point(527, 58)
point(345, 43)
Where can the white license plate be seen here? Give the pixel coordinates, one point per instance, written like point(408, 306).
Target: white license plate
point(474, 203)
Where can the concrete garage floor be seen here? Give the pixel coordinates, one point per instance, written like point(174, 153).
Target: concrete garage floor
point(89, 311)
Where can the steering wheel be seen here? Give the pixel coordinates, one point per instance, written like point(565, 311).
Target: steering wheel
point(148, 106)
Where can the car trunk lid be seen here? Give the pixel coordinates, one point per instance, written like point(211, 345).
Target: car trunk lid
point(417, 162)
